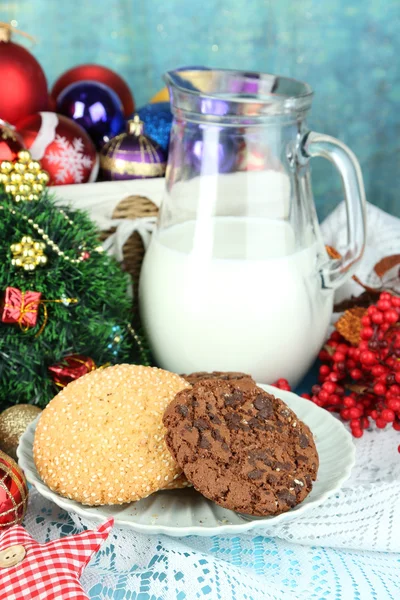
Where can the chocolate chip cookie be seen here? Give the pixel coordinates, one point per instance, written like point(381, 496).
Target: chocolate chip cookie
point(241, 447)
point(223, 375)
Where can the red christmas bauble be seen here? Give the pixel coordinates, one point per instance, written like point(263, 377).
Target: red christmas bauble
point(63, 147)
point(13, 492)
point(102, 75)
point(10, 142)
point(23, 83)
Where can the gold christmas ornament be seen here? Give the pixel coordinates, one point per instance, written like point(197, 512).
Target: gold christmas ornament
point(29, 177)
point(34, 166)
point(37, 188)
point(13, 423)
point(11, 188)
point(16, 177)
point(24, 178)
point(24, 156)
point(24, 188)
point(28, 254)
point(6, 166)
point(161, 96)
point(43, 177)
point(19, 167)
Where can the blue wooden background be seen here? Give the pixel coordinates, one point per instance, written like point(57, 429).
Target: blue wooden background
point(348, 50)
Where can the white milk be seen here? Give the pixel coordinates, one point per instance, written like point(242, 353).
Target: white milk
point(235, 296)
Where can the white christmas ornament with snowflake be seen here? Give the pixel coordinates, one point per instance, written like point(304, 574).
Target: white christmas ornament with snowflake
point(70, 158)
point(63, 147)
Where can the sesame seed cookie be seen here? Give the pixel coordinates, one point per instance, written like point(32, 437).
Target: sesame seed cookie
point(101, 439)
point(241, 447)
point(178, 484)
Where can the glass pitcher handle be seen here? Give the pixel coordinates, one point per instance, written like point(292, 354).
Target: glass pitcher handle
point(325, 146)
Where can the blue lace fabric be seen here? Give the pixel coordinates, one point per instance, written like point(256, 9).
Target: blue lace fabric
point(131, 566)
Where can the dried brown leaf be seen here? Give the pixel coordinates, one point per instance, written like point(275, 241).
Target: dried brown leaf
point(349, 324)
point(329, 349)
point(386, 263)
point(356, 387)
point(332, 252)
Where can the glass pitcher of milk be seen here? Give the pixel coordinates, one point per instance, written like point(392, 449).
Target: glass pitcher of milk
point(237, 277)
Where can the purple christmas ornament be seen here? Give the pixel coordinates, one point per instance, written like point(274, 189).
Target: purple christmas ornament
point(132, 155)
point(95, 107)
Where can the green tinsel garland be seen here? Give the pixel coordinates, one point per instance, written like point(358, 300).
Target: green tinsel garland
point(97, 326)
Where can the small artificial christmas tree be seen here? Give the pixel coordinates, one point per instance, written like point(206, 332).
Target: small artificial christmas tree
point(65, 302)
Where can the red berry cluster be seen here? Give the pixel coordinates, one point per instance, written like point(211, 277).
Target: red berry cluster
point(363, 382)
point(283, 384)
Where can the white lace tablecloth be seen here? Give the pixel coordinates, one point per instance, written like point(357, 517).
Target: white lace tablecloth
point(348, 548)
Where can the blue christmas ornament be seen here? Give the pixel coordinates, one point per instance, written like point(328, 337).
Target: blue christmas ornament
point(95, 107)
point(157, 119)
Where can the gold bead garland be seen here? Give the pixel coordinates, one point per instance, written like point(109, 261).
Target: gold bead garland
point(50, 242)
point(28, 254)
point(24, 179)
point(139, 342)
point(66, 217)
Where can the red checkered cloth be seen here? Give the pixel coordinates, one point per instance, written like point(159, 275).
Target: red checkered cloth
point(49, 571)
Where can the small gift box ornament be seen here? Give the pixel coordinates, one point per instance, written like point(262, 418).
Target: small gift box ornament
point(70, 368)
point(23, 308)
point(20, 307)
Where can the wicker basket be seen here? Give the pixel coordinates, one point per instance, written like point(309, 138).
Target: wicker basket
point(132, 207)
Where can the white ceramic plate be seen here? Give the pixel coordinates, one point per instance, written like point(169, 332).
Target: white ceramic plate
point(186, 512)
